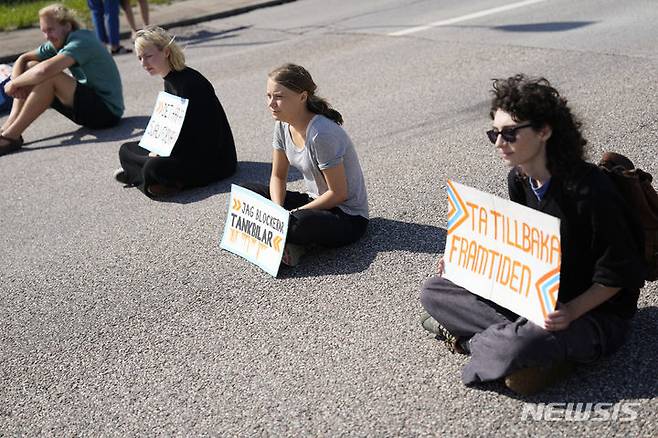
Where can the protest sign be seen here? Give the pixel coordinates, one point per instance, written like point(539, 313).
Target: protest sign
point(255, 229)
point(503, 251)
point(165, 124)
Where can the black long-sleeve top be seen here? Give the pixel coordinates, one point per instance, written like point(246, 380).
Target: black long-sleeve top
point(206, 136)
point(600, 240)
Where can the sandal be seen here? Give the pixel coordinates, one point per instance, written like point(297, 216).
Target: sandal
point(120, 51)
point(13, 145)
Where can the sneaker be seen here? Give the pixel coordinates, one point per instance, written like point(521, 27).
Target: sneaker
point(454, 343)
point(529, 381)
point(291, 254)
point(121, 175)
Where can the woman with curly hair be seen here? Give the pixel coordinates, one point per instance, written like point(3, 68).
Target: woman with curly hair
point(602, 268)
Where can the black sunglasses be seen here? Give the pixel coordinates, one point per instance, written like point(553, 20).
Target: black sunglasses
point(508, 134)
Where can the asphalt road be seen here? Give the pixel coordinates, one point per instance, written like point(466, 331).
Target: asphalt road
point(120, 315)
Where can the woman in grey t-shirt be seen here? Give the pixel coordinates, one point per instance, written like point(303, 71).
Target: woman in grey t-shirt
point(307, 135)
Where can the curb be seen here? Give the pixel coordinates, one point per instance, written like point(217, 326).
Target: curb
point(6, 59)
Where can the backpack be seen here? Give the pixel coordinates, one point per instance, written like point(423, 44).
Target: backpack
point(635, 187)
point(5, 101)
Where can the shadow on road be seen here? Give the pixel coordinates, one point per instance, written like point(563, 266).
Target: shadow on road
point(629, 374)
point(204, 36)
point(248, 171)
point(556, 26)
point(129, 128)
point(383, 235)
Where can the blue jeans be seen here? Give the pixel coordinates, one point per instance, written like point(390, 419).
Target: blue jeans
point(100, 9)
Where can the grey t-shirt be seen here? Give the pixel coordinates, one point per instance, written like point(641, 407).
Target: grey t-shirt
point(327, 145)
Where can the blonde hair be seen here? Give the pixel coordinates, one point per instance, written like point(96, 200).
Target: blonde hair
point(158, 37)
point(61, 14)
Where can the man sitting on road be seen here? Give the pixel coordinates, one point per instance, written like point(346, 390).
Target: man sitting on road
point(92, 97)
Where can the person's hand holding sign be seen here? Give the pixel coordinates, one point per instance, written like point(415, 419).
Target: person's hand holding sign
point(574, 309)
point(559, 319)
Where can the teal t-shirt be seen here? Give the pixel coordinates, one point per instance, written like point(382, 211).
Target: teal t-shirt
point(93, 66)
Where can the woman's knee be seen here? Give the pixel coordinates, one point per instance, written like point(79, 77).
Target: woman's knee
point(522, 342)
point(432, 291)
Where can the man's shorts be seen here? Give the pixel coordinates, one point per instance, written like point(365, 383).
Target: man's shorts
point(88, 109)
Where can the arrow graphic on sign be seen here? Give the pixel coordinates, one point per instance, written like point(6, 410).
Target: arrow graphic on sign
point(277, 242)
point(457, 212)
point(237, 204)
point(547, 290)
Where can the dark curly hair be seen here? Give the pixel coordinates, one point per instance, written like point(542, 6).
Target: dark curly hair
point(536, 101)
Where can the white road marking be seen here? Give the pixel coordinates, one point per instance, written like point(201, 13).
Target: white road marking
point(465, 17)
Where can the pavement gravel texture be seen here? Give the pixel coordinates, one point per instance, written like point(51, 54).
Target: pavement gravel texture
point(120, 315)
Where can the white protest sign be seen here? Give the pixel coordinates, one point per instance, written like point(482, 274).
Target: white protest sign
point(165, 124)
point(503, 251)
point(255, 229)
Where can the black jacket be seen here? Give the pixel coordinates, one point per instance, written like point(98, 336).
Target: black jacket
point(600, 237)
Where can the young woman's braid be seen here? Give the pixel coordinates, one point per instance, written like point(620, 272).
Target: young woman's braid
point(298, 79)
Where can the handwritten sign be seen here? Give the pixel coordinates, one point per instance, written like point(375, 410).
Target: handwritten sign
point(255, 229)
point(503, 251)
point(165, 124)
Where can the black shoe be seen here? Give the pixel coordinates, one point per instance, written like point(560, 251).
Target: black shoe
point(120, 50)
point(13, 144)
point(454, 343)
point(121, 175)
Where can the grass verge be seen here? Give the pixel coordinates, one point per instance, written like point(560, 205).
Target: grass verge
point(18, 14)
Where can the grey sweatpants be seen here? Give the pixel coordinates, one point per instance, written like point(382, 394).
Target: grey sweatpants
point(503, 342)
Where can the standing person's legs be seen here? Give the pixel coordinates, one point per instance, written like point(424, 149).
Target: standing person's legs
point(40, 98)
point(112, 14)
point(144, 10)
point(130, 17)
point(98, 18)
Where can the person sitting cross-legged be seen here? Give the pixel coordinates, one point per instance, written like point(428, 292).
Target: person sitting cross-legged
point(308, 136)
point(204, 151)
point(601, 267)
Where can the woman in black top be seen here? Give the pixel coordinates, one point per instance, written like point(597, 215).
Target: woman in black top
point(601, 271)
point(204, 151)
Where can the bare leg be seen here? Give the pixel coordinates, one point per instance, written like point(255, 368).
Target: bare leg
point(16, 108)
point(144, 10)
point(17, 105)
point(61, 86)
point(130, 17)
